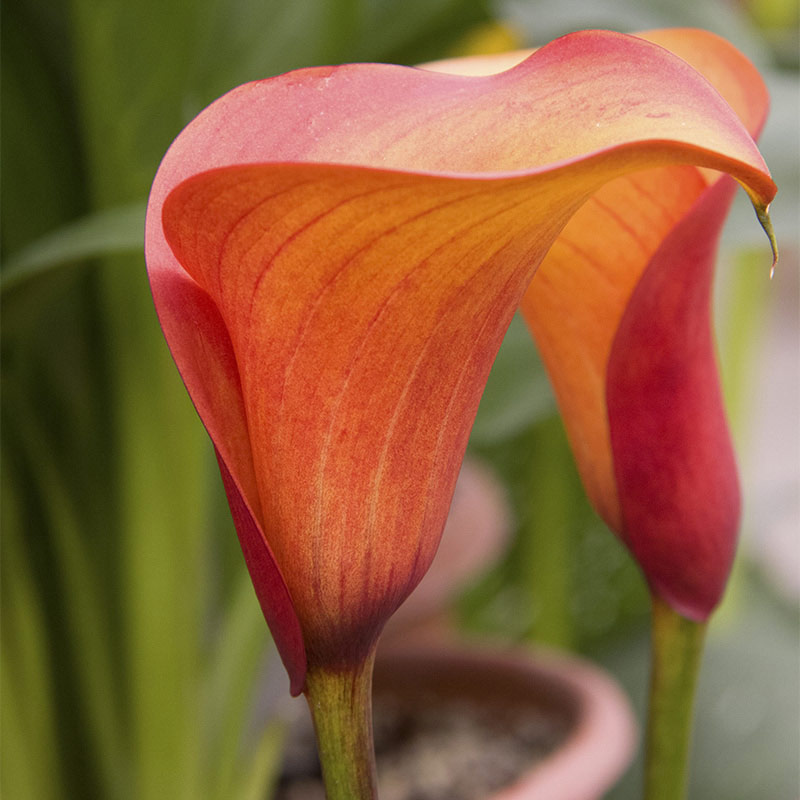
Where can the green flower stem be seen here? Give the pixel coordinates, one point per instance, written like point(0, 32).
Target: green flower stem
point(341, 708)
point(677, 645)
point(547, 545)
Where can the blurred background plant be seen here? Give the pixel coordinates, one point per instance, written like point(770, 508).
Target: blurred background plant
point(132, 646)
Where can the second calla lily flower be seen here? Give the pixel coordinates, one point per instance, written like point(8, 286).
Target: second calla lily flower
point(620, 309)
point(335, 255)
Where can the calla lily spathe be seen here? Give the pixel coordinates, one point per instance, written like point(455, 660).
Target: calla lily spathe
point(335, 254)
point(667, 481)
point(620, 309)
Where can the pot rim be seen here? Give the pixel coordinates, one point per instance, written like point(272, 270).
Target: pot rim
point(604, 736)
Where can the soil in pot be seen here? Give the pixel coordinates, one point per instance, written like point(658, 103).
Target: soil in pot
point(437, 742)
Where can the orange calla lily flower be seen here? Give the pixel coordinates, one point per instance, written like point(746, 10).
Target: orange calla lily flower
point(335, 254)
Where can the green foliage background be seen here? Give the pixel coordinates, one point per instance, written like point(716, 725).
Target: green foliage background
point(132, 647)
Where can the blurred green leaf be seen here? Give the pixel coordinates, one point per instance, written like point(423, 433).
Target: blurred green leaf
point(29, 744)
point(254, 39)
point(83, 611)
point(257, 782)
point(42, 185)
point(115, 230)
point(243, 642)
point(413, 31)
point(133, 63)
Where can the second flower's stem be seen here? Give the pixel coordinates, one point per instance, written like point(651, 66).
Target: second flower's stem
point(677, 648)
point(341, 708)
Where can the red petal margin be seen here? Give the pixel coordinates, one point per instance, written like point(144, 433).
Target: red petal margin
point(673, 458)
point(273, 596)
point(201, 346)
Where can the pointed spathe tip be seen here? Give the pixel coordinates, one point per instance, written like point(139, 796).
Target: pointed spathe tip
point(762, 212)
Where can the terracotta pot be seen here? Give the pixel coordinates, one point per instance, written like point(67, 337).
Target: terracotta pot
point(600, 732)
